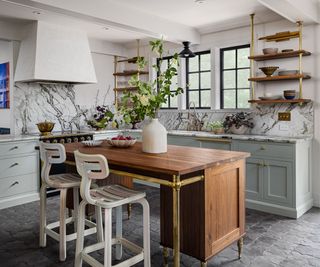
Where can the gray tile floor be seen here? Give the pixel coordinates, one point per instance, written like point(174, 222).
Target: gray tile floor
point(270, 241)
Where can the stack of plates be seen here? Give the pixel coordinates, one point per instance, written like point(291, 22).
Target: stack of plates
point(274, 97)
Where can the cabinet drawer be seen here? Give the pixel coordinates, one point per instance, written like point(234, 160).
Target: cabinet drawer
point(13, 148)
point(18, 166)
point(18, 185)
point(263, 149)
point(183, 141)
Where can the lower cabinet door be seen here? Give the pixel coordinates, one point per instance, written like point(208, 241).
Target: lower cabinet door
point(278, 182)
point(183, 141)
point(254, 179)
point(216, 145)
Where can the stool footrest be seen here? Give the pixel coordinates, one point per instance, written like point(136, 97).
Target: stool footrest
point(115, 241)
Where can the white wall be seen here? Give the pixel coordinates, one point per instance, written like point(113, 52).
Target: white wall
point(6, 55)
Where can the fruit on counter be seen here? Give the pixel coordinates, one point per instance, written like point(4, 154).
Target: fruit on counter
point(122, 137)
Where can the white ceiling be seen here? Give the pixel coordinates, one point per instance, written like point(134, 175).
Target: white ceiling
point(201, 15)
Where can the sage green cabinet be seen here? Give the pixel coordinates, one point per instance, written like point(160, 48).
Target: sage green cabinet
point(254, 179)
point(183, 141)
point(216, 144)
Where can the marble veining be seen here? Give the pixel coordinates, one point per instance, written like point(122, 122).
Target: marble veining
point(58, 103)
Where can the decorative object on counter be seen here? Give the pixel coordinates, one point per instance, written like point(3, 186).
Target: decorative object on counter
point(92, 143)
point(270, 51)
point(288, 72)
point(121, 141)
point(216, 127)
point(289, 94)
point(101, 118)
point(238, 123)
point(149, 97)
point(45, 127)
point(268, 71)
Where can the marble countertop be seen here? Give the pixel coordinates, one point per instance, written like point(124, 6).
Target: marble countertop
point(279, 139)
point(15, 138)
point(270, 138)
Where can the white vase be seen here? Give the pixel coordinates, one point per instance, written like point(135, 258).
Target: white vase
point(154, 137)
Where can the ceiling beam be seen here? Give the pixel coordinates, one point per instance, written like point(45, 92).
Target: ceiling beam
point(295, 10)
point(113, 15)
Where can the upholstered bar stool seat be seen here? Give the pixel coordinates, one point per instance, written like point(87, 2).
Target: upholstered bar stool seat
point(55, 154)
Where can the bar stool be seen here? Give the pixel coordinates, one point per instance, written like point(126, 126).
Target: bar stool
point(92, 167)
point(51, 153)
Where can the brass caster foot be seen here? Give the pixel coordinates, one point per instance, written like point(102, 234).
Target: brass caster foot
point(165, 255)
point(203, 264)
point(129, 210)
point(240, 246)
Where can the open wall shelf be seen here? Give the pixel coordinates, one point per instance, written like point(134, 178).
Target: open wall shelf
point(281, 55)
point(279, 78)
point(280, 101)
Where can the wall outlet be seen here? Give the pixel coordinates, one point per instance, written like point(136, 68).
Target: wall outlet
point(283, 127)
point(284, 116)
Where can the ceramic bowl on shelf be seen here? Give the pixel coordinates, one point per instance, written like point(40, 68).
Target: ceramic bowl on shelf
point(92, 143)
point(270, 51)
point(268, 71)
point(271, 97)
point(289, 94)
point(288, 72)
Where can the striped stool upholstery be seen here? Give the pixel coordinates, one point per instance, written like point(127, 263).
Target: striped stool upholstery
point(55, 154)
point(92, 167)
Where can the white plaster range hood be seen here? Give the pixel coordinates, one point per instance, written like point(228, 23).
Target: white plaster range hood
point(54, 54)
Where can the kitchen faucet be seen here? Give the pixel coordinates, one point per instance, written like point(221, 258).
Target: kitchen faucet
point(195, 122)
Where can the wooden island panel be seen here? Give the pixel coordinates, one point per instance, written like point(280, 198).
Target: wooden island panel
point(212, 212)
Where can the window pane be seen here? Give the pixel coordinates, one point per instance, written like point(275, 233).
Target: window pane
point(194, 63)
point(205, 99)
point(194, 98)
point(243, 61)
point(165, 105)
point(229, 59)
point(229, 79)
point(243, 76)
point(164, 65)
point(205, 62)
point(205, 80)
point(174, 102)
point(174, 83)
point(194, 80)
point(229, 98)
point(243, 97)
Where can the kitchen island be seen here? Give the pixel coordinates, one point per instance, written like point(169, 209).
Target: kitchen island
point(202, 193)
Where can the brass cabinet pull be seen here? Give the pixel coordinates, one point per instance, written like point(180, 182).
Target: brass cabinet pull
point(217, 140)
point(263, 148)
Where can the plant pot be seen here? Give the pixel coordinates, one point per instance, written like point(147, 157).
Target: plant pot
point(218, 131)
point(154, 137)
point(241, 130)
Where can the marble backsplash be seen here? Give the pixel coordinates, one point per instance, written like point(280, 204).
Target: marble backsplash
point(34, 103)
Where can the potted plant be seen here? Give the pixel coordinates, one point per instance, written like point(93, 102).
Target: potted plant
point(238, 123)
point(101, 118)
point(216, 127)
point(149, 97)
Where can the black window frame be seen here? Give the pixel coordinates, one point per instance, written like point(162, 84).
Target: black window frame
point(222, 50)
point(198, 54)
point(168, 58)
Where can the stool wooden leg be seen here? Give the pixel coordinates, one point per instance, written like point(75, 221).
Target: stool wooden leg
point(62, 230)
point(146, 232)
point(43, 217)
point(99, 223)
point(80, 233)
point(75, 206)
point(108, 238)
point(119, 231)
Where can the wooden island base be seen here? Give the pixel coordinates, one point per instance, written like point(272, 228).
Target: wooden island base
point(212, 212)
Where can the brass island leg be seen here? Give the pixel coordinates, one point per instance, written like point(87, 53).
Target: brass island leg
point(204, 264)
point(240, 246)
point(176, 220)
point(165, 254)
point(129, 210)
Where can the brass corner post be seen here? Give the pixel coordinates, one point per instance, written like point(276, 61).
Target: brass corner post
point(299, 23)
point(251, 55)
point(176, 219)
point(165, 255)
